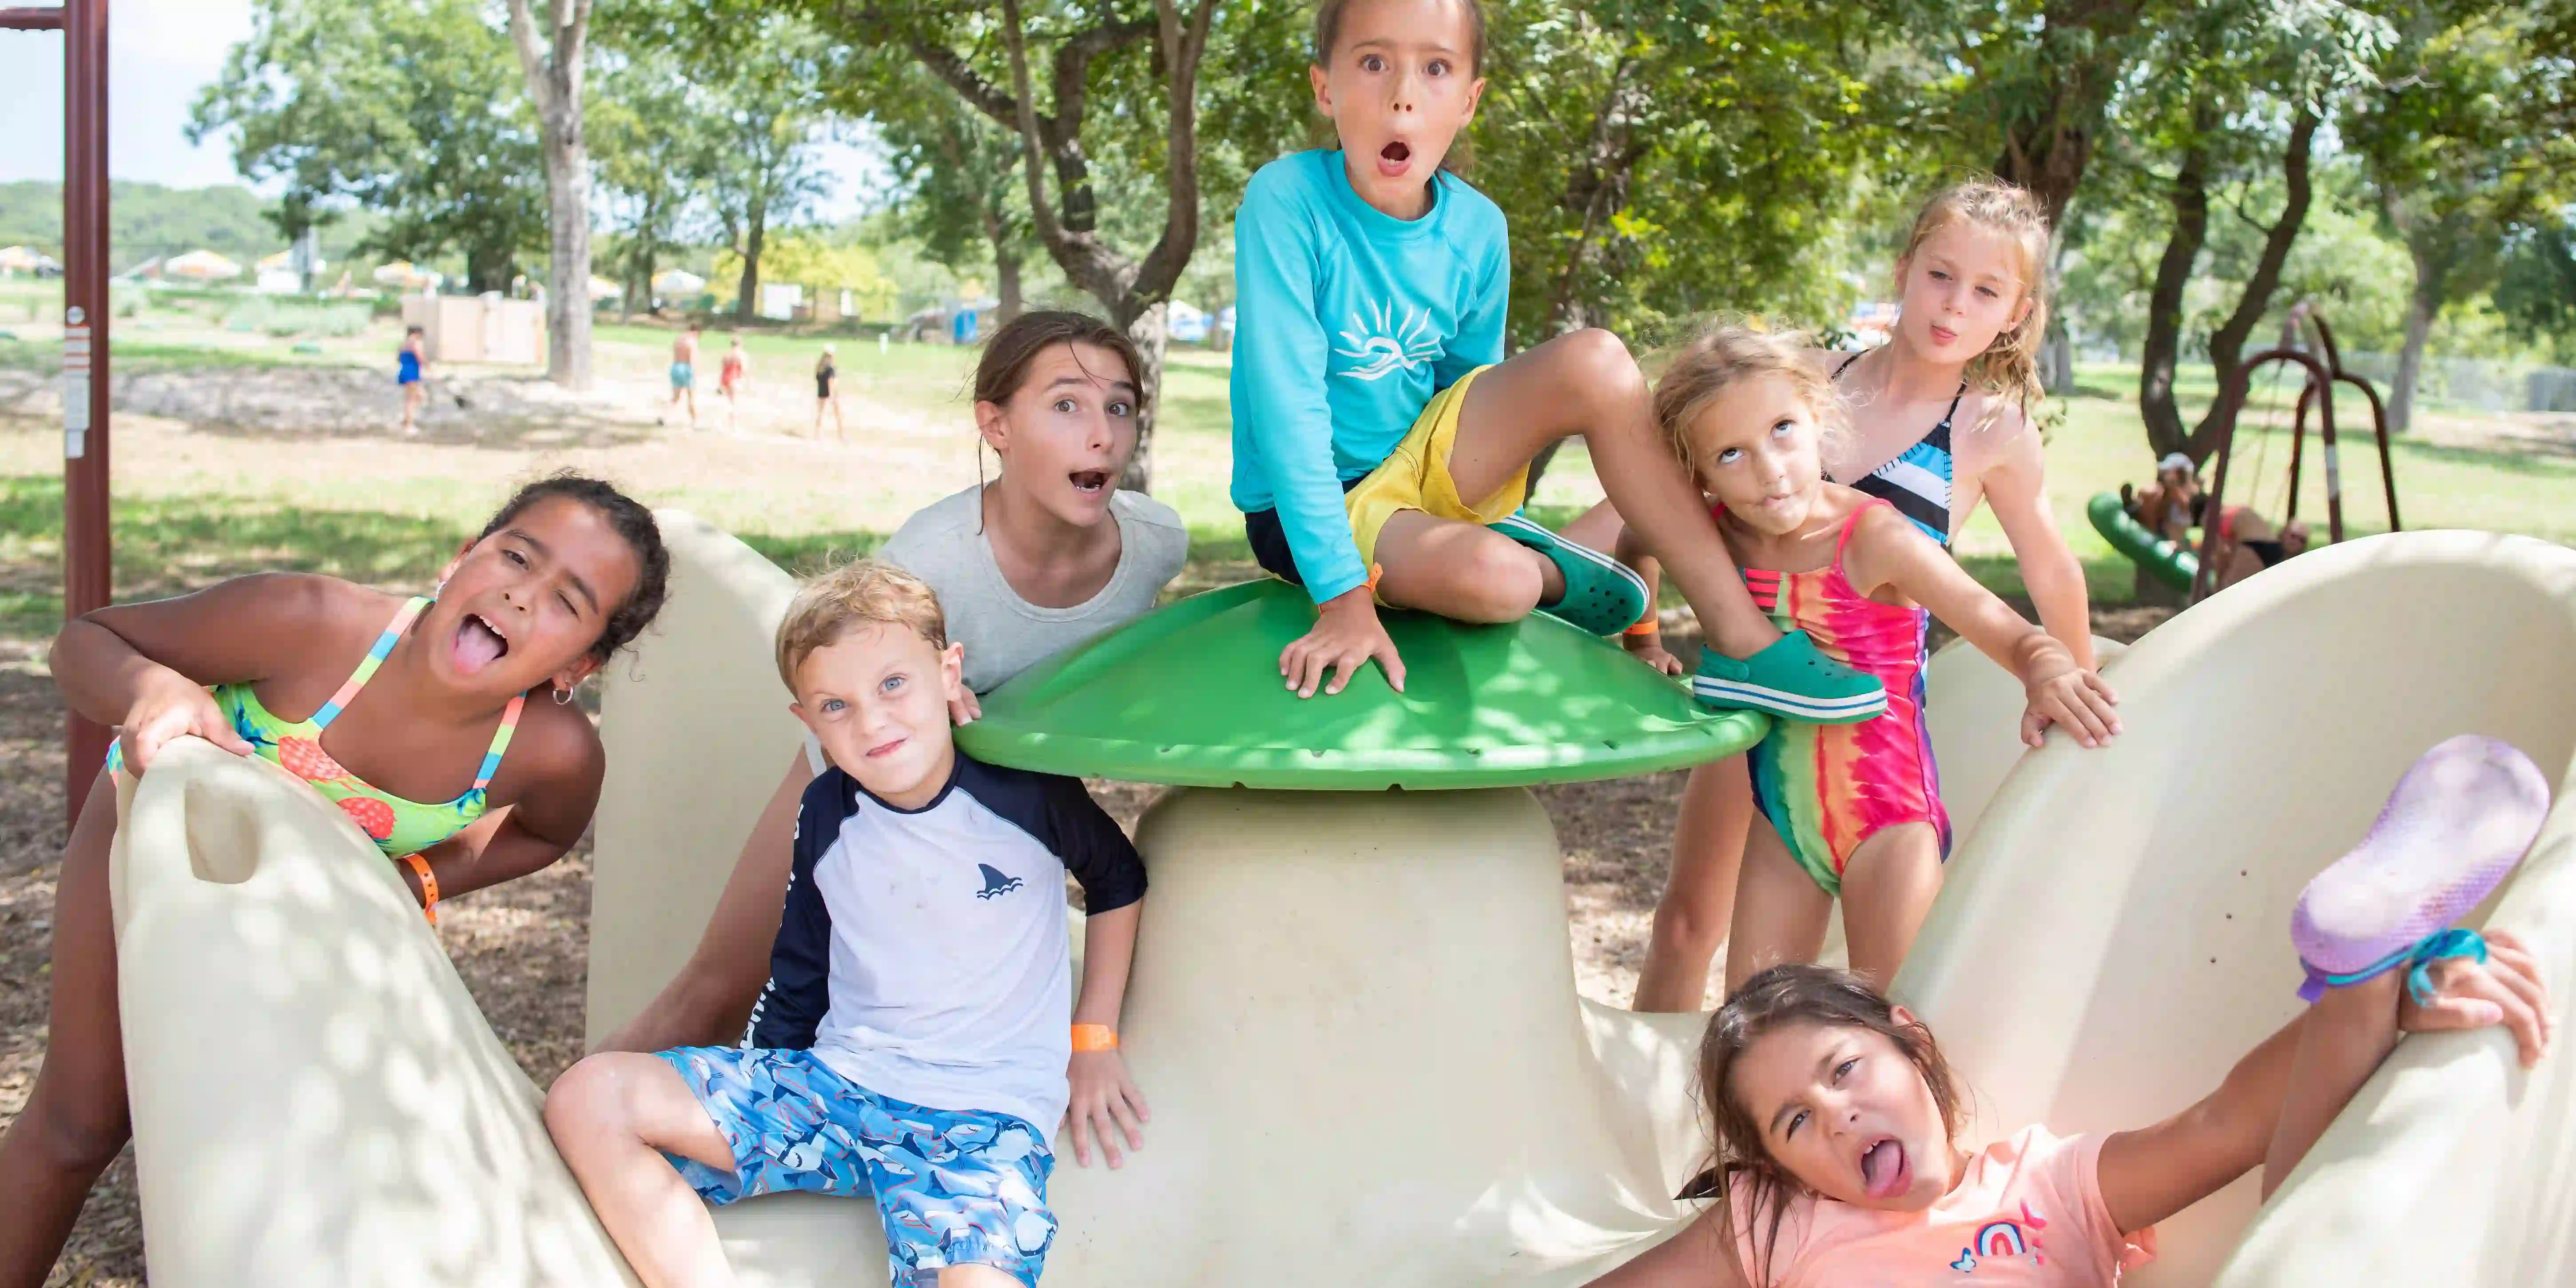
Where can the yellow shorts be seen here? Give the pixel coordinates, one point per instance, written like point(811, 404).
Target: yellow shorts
point(1416, 477)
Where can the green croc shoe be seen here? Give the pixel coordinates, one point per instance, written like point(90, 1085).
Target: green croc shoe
point(1790, 679)
point(1602, 596)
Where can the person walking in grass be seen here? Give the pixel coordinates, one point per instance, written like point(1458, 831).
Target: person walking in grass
point(827, 394)
point(684, 375)
point(730, 378)
point(411, 374)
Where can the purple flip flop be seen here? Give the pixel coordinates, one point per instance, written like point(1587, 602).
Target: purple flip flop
point(2457, 824)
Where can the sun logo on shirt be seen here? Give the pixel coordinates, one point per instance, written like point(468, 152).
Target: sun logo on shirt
point(1385, 341)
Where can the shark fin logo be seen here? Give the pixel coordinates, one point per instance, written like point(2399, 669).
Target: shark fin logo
point(995, 883)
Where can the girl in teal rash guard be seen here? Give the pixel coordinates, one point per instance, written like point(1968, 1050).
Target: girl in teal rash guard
point(1381, 440)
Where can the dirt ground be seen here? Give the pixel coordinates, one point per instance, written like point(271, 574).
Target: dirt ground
point(520, 948)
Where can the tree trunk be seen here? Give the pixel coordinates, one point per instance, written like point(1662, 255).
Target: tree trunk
point(568, 291)
point(2189, 197)
point(746, 298)
point(1153, 342)
point(552, 62)
point(2421, 307)
point(2227, 343)
point(1006, 285)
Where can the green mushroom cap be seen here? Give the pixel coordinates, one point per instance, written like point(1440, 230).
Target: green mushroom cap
point(1191, 695)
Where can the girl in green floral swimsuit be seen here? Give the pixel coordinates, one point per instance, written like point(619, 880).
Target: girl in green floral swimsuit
point(406, 695)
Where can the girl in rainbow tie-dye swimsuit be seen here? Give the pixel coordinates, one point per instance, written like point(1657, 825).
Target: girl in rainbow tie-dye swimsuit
point(1854, 810)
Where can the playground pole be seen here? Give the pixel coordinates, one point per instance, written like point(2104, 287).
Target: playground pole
point(85, 353)
point(85, 322)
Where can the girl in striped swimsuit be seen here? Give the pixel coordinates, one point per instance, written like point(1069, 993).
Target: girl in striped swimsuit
point(1962, 361)
point(1849, 811)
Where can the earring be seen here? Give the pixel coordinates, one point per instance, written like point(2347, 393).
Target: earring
point(563, 697)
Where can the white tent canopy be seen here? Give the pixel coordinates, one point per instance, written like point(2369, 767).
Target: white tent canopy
point(201, 265)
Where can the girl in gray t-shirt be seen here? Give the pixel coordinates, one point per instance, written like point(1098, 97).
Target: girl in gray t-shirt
point(1042, 558)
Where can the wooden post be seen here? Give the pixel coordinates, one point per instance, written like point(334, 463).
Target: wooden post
point(86, 583)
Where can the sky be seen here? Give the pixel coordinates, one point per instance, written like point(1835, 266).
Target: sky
point(160, 53)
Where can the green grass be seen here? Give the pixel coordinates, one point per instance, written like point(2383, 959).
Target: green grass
point(2096, 444)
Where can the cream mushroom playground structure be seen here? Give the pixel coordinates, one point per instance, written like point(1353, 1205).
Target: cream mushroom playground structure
point(1353, 1007)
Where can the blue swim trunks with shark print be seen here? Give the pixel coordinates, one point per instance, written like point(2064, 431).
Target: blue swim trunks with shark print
point(954, 1187)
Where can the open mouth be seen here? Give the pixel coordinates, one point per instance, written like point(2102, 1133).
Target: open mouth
point(1883, 1171)
point(1090, 482)
point(478, 644)
point(1394, 157)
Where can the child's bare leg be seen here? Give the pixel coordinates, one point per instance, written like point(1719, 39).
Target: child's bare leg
point(1586, 384)
point(1780, 911)
point(976, 1277)
point(1462, 571)
point(75, 1121)
point(2346, 1034)
point(1888, 887)
point(611, 1116)
point(1699, 896)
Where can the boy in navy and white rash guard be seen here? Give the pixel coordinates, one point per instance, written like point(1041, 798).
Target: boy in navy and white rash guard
point(918, 1033)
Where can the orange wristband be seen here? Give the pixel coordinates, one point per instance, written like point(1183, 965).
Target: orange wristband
point(1646, 625)
point(428, 886)
point(1094, 1037)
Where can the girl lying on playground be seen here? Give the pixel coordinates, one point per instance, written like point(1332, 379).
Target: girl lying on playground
point(419, 728)
point(1854, 811)
point(2174, 504)
point(1836, 1118)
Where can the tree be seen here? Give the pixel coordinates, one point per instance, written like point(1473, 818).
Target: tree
point(760, 76)
point(1658, 160)
point(552, 62)
point(947, 154)
point(657, 157)
point(2471, 138)
point(406, 108)
point(2230, 89)
point(2041, 79)
point(1150, 53)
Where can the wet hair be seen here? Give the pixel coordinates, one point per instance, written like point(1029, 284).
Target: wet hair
point(415, 329)
point(2009, 368)
point(1785, 996)
point(632, 522)
point(1724, 356)
point(1328, 32)
point(862, 592)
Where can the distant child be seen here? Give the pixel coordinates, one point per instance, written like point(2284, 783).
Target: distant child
point(827, 395)
point(1382, 443)
point(412, 715)
point(1853, 811)
point(2247, 542)
point(1940, 422)
point(411, 375)
point(917, 1035)
point(684, 372)
point(730, 378)
point(1837, 1159)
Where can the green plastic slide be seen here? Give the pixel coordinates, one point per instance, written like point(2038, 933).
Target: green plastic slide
point(1191, 695)
point(2174, 565)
